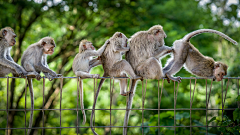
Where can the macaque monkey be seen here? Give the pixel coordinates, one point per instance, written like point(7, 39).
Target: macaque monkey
point(114, 66)
point(34, 61)
point(7, 65)
point(146, 47)
point(83, 63)
point(194, 62)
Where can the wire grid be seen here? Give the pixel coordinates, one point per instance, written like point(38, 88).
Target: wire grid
point(160, 90)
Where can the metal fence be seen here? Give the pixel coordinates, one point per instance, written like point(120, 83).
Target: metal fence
point(160, 86)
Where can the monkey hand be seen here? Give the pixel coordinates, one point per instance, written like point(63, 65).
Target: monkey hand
point(59, 75)
point(95, 76)
point(38, 77)
point(53, 74)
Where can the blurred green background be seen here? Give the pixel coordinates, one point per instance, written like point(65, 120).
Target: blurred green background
point(70, 21)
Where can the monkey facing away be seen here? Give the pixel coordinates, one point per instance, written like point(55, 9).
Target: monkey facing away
point(34, 61)
point(83, 63)
point(146, 47)
point(7, 64)
point(194, 62)
point(114, 66)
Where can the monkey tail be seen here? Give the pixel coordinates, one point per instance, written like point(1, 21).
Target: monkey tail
point(81, 101)
point(129, 105)
point(94, 105)
point(194, 33)
point(32, 105)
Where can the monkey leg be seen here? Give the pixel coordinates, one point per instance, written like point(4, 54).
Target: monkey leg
point(168, 65)
point(83, 74)
point(176, 66)
point(150, 69)
point(123, 86)
point(121, 66)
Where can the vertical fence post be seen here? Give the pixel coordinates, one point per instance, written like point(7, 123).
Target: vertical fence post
point(43, 106)
point(61, 86)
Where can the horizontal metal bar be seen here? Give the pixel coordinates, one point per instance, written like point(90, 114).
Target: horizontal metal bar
point(180, 109)
point(106, 127)
point(129, 77)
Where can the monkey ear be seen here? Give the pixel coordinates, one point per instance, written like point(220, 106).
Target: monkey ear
point(84, 47)
point(157, 32)
point(120, 35)
point(43, 43)
point(4, 33)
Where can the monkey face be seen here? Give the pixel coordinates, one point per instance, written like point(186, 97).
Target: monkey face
point(219, 72)
point(48, 49)
point(88, 46)
point(10, 37)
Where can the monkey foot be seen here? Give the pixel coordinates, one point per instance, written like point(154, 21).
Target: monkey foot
point(175, 79)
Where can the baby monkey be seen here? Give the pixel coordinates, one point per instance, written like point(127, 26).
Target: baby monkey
point(83, 63)
point(195, 63)
point(34, 61)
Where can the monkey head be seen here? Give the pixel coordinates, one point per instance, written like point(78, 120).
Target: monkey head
point(8, 34)
point(220, 70)
point(157, 33)
point(85, 45)
point(48, 45)
point(119, 39)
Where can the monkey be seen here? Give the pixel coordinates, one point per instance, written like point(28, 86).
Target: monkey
point(185, 54)
point(146, 47)
point(34, 60)
point(114, 66)
point(7, 64)
point(83, 63)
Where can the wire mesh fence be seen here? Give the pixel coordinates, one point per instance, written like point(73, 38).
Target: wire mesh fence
point(152, 118)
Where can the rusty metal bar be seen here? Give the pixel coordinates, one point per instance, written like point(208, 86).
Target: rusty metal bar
point(7, 102)
point(43, 106)
point(190, 107)
point(78, 89)
point(25, 113)
point(206, 110)
point(61, 86)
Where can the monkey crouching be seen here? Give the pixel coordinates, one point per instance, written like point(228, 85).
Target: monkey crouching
point(185, 54)
point(34, 61)
point(7, 64)
point(83, 63)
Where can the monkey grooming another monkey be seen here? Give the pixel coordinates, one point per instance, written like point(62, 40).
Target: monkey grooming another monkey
point(146, 47)
point(83, 63)
point(114, 66)
point(34, 61)
point(7, 64)
point(194, 62)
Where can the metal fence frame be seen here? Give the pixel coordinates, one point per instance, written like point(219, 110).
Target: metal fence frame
point(111, 94)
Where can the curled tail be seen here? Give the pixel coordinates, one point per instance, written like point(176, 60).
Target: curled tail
point(32, 105)
point(81, 101)
point(129, 105)
point(94, 105)
point(194, 33)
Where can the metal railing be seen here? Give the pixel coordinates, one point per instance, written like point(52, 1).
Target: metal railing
point(144, 89)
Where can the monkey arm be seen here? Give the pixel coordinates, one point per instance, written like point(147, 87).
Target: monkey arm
point(83, 74)
point(45, 69)
point(96, 63)
point(121, 49)
point(9, 64)
point(161, 51)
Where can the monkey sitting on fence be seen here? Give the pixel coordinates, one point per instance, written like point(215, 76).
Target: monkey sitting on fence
point(34, 61)
point(7, 64)
point(114, 66)
point(194, 62)
point(83, 63)
point(146, 47)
